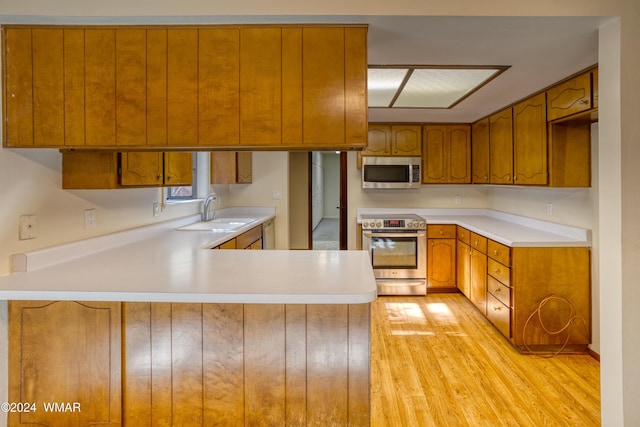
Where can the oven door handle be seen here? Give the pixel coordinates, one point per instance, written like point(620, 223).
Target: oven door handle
point(385, 234)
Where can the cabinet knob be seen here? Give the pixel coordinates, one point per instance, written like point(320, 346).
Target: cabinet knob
point(584, 101)
point(441, 231)
point(497, 290)
point(495, 252)
point(497, 270)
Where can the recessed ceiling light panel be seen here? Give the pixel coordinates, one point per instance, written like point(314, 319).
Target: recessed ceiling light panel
point(424, 86)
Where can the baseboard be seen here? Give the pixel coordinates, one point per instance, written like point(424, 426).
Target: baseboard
point(593, 354)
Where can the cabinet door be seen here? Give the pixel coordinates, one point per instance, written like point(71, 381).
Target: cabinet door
point(530, 142)
point(463, 270)
point(501, 147)
point(178, 168)
point(570, 97)
point(379, 141)
point(142, 169)
point(435, 155)
point(18, 85)
point(441, 263)
point(459, 154)
point(479, 280)
point(182, 87)
point(218, 86)
point(406, 140)
point(480, 151)
point(65, 351)
point(131, 87)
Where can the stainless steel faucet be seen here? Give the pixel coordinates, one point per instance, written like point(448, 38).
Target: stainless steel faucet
point(206, 214)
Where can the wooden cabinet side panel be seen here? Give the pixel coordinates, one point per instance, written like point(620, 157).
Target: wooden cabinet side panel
point(218, 86)
point(182, 87)
point(45, 341)
point(100, 87)
point(479, 280)
point(323, 71)
point(89, 170)
point(18, 87)
point(530, 141)
point(131, 87)
point(296, 364)
point(567, 274)
point(480, 151)
point(359, 364)
point(48, 87)
point(261, 83)
point(501, 147)
point(570, 154)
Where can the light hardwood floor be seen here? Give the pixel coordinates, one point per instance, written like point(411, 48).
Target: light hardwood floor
point(436, 361)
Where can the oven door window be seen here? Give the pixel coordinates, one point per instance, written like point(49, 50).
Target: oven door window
point(394, 252)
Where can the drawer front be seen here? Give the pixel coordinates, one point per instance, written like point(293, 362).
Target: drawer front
point(248, 237)
point(479, 242)
point(441, 231)
point(499, 291)
point(229, 244)
point(463, 235)
point(499, 271)
point(499, 314)
point(499, 252)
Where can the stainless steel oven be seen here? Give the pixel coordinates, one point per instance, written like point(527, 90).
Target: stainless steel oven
point(397, 245)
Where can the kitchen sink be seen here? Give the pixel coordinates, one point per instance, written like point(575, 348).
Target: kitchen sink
point(219, 225)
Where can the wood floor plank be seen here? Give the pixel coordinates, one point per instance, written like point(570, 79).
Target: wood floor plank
point(437, 361)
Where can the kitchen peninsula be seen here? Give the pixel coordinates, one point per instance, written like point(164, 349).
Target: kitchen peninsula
point(164, 331)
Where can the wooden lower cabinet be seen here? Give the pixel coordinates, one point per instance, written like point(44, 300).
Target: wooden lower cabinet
point(478, 284)
point(441, 257)
point(68, 353)
point(189, 364)
point(250, 239)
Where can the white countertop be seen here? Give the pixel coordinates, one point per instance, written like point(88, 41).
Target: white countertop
point(162, 264)
point(508, 229)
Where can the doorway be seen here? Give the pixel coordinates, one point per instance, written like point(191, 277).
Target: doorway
point(327, 200)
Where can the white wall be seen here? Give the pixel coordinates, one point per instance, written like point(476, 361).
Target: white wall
point(317, 188)
point(331, 184)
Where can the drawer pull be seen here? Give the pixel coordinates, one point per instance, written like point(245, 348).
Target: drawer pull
point(476, 243)
point(441, 231)
point(497, 308)
point(495, 252)
point(497, 290)
point(497, 270)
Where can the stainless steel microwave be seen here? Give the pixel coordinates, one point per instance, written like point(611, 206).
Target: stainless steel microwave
point(391, 172)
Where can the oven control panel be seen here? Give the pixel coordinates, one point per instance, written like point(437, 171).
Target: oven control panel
point(393, 224)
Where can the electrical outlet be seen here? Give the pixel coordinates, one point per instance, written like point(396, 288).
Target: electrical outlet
point(276, 195)
point(89, 218)
point(549, 209)
point(27, 227)
point(457, 200)
point(156, 209)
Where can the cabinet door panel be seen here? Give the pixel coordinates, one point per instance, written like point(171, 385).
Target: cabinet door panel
point(441, 263)
point(570, 97)
point(480, 151)
point(355, 72)
point(406, 140)
point(131, 87)
point(218, 92)
point(261, 83)
point(501, 147)
point(182, 87)
point(47, 339)
point(463, 270)
point(379, 141)
point(459, 159)
point(530, 141)
point(48, 87)
point(100, 82)
point(156, 87)
point(323, 70)
point(74, 87)
point(479, 280)
point(142, 169)
point(292, 85)
point(18, 60)
point(178, 168)
point(434, 151)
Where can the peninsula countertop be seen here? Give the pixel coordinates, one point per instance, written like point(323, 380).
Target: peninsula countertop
point(168, 265)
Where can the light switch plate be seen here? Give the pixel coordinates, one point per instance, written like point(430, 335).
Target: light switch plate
point(89, 218)
point(27, 228)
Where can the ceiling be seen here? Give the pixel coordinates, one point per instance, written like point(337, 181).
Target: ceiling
point(539, 50)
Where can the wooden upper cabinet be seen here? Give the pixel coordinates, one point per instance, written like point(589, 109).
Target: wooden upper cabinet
point(178, 168)
point(379, 141)
point(231, 167)
point(530, 141)
point(199, 86)
point(480, 152)
point(142, 169)
point(570, 97)
point(446, 154)
point(501, 147)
